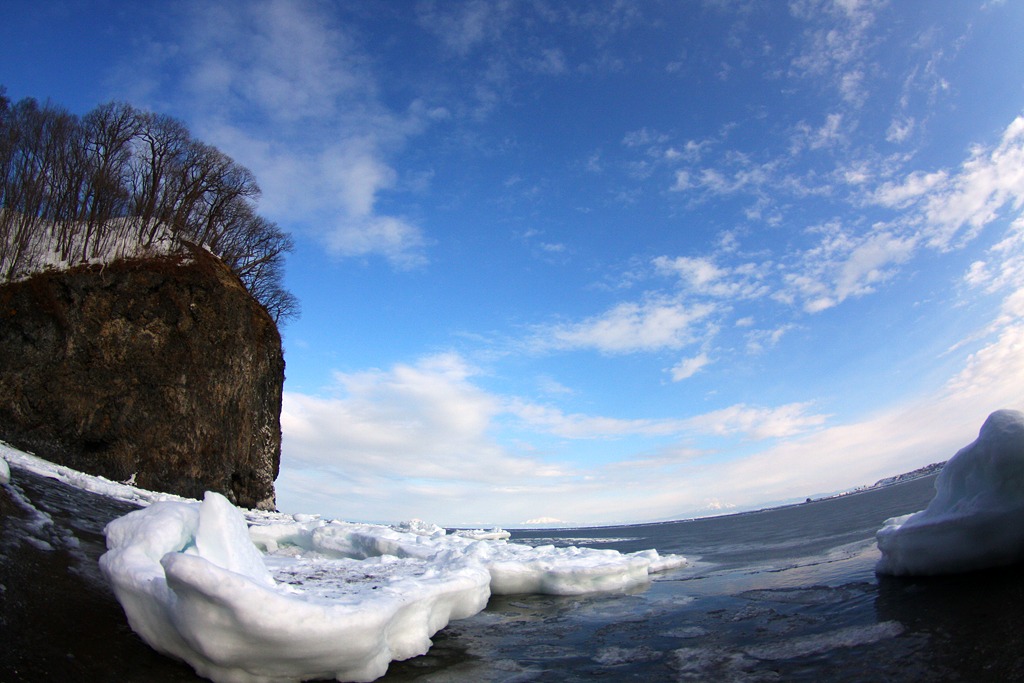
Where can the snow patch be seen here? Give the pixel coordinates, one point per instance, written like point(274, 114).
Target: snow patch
point(86, 482)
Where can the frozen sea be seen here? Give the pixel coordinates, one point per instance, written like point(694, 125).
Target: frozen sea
point(787, 594)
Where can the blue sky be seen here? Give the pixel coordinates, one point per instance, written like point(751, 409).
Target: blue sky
point(606, 261)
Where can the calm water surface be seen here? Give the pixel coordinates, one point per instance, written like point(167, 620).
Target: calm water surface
point(781, 595)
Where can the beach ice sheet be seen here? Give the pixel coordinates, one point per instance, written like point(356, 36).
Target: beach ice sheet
point(513, 568)
point(236, 623)
point(298, 598)
point(976, 519)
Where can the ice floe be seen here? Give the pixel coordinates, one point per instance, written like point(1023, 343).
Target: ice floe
point(513, 568)
point(976, 519)
point(324, 598)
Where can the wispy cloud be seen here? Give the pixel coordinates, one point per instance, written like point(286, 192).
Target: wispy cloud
point(1003, 266)
point(987, 181)
point(552, 420)
point(845, 264)
point(463, 27)
point(935, 209)
point(269, 82)
point(757, 422)
point(688, 367)
point(701, 275)
point(837, 44)
point(655, 324)
point(829, 134)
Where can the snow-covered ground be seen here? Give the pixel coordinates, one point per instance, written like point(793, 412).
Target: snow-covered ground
point(253, 596)
point(120, 239)
point(976, 519)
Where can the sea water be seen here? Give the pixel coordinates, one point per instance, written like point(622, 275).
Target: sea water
point(787, 594)
point(779, 595)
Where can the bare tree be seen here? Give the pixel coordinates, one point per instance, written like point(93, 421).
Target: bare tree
point(120, 175)
point(108, 134)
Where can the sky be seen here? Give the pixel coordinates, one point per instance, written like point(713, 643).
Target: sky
point(602, 262)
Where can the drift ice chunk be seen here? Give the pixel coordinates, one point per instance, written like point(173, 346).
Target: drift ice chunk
point(976, 519)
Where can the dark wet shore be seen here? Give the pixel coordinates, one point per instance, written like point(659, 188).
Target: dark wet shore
point(58, 619)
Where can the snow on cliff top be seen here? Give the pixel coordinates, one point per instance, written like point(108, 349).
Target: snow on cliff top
point(41, 252)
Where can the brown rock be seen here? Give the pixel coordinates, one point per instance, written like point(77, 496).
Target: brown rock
point(163, 368)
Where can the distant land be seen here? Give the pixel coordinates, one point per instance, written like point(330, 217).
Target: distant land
point(888, 481)
point(908, 476)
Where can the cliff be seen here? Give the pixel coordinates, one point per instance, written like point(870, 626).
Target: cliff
point(164, 369)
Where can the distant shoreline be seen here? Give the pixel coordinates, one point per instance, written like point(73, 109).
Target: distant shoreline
point(896, 480)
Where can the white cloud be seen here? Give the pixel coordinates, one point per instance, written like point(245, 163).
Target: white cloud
point(653, 325)
point(688, 367)
point(941, 204)
point(984, 378)
point(644, 137)
point(1004, 267)
point(828, 134)
point(988, 180)
point(900, 129)
point(419, 420)
point(746, 177)
point(394, 238)
point(900, 195)
point(838, 45)
point(682, 183)
point(697, 272)
point(702, 275)
point(551, 61)
point(870, 263)
point(851, 87)
point(847, 260)
point(758, 341)
point(552, 420)
point(845, 264)
point(287, 61)
point(757, 422)
point(937, 209)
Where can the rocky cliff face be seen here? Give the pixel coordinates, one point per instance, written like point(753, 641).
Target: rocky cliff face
point(163, 369)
